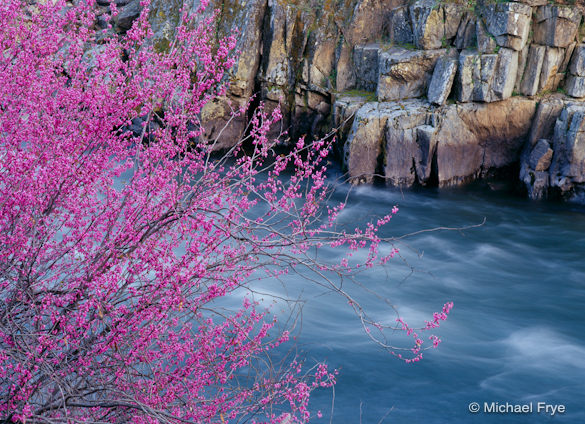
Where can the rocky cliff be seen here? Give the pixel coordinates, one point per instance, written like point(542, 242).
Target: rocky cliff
point(423, 92)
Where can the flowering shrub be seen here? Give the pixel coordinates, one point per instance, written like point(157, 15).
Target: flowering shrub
point(120, 229)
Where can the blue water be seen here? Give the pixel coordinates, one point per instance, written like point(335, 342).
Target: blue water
point(516, 334)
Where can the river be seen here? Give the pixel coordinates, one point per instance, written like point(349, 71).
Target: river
point(516, 336)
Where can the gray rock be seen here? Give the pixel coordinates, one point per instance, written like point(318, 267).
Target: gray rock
point(551, 64)
point(531, 78)
point(400, 28)
point(486, 43)
point(363, 147)
point(127, 15)
point(409, 145)
point(344, 110)
point(453, 14)
point(468, 72)
point(487, 77)
point(365, 59)
point(544, 121)
point(556, 25)
point(568, 54)
point(522, 59)
point(442, 80)
point(509, 23)
point(577, 66)
point(534, 3)
point(541, 156)
point(428, 24)
point(482, 89)
point(405, 73)
point(505, 75)
point(466, 33)
point(575, 86)
point(567, 171)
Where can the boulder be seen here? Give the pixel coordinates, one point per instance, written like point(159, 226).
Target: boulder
point(509, 23)
point(475, 138)
point(467, 75)
point(556, 25)
point(363, 147)
point(541, 156)
point(550, 76)
point(434, 25)
point(409, 145)
point(486, 77)
point(344, 110)
point(567, 171)
point(505, 75)
point(428, 24)
point(501, 137)
point(486, 43)
point(575, 86)
point(466, 33)
point(531, 78)
point(544, 121)
point(400, 28)
point(405, 73)
point(442, 80)
point(365, 59)
point(577, 66)
point(127, 15)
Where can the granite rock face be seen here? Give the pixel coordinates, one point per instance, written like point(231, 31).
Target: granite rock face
point(405, 73)
point(421, 92)
point(556, 26)
point(442, 80)
point(509, 23)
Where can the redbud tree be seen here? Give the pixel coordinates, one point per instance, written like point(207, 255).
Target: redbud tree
point(121, 228)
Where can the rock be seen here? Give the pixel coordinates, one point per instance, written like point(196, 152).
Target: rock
point(575, 86)
point(364, 143)
point(487, 77)
point(434, 25)
point(501, 136)
point(509, 23)
point(483, 84)
point(537, 183)
point(466, 33)
point(410, 145)
point(428, 24)
point(544, 121)
point(577, 66)
point(568, 54)
point(474, 138)
point(365, 59)
point(522, 58)
point(442, 80)
point(551, 64)
point(541, 156)
point(344, 110)
point(556, 25)
point(453, 14)
point(531, 79)
point(459, 155)
point(127, 15)
point(486, 43)
point(400, 28)
point(468, 73)
point(534, 3)
point(567, 171)
point(505, 76)
point(405, 73)
point(249, 21)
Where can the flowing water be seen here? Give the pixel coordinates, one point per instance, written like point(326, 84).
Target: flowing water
point(516, 335)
